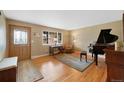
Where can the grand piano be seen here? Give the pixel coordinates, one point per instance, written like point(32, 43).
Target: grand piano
point(104, 41)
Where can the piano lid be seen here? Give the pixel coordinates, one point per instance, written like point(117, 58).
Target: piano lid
point(106, 37)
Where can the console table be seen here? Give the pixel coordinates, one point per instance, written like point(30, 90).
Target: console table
point(115, 64)
point(54, 49)
point(8, 68)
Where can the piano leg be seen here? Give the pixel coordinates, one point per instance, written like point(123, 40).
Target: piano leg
point(92, 55)
point(96, 58)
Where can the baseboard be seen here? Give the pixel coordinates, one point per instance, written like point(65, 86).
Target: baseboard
point(33, 57)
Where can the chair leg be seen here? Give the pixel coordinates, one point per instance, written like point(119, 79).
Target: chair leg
point(80, 57)
point(86, 57)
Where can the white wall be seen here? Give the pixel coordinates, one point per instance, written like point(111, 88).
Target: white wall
point(37, 48)
point(84, 36)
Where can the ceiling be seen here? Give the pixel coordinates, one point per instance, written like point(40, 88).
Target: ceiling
point(65, 19)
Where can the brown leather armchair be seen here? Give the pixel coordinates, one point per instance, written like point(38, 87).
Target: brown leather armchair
point(68, 49)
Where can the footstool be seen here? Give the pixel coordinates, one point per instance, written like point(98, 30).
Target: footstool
point(83, 53)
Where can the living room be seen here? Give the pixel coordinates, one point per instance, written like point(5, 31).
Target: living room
point(53, 45)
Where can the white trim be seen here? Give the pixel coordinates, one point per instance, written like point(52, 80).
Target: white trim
point(48, 37)
point(33, 57)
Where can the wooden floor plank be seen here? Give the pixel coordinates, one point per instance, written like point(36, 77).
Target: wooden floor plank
point(54, 70)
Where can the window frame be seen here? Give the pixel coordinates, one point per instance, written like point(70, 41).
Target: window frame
point(24, 30)
point(48, 38)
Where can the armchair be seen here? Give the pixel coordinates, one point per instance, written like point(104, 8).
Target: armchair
point(68, 49)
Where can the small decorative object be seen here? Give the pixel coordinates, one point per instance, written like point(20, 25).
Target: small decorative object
point(117, 45)
point(36, 34)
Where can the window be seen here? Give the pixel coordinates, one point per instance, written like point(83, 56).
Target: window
point(60, 38)
point(45, 37)
point(51, 38)
point(20, 37)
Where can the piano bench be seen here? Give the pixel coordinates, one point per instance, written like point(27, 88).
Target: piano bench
point(83, 53)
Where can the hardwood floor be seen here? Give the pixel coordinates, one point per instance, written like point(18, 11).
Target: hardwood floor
point(54, 70)
point(27, 72)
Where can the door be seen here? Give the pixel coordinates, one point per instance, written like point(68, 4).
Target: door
point(20, 42)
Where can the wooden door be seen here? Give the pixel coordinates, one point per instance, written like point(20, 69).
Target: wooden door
point(20, 42)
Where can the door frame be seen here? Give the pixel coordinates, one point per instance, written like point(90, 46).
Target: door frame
point(123, 26)
point(9, 33)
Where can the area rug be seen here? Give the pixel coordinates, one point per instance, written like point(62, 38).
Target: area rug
point(73, 61)
point(27, 72)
